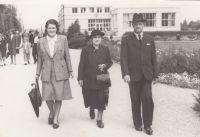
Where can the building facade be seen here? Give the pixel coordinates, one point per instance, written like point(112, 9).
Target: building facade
point(118, 19)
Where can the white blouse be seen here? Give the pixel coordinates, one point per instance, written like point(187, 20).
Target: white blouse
point(51, 43)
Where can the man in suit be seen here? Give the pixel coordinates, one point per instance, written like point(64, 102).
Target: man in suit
point(139, 69)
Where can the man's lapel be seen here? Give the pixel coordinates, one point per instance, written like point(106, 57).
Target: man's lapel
point(144, 40)
point(135, 41)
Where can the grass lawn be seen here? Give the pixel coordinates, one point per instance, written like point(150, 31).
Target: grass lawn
point(187, 46)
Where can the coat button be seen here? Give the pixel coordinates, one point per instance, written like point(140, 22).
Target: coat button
point(60, 58)
point(62, 66)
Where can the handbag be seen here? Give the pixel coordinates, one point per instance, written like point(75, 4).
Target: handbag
point(103, 78)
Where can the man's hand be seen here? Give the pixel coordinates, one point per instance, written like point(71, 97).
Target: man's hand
point(80, 82)
point(127, 79)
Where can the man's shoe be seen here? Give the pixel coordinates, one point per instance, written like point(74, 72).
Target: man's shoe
point(148, 130)
point(92, 114)
point(138, 128)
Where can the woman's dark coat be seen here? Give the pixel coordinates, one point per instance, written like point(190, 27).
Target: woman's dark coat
point(88, 66)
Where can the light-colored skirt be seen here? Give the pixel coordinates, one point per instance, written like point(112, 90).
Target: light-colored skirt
point(56, 90)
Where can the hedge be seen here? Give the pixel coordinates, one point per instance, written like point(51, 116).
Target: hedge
point(171, 33)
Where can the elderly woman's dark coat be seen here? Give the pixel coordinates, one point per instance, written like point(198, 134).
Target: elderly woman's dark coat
point(88, 69)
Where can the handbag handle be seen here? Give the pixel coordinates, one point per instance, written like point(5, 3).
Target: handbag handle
point(36, 84)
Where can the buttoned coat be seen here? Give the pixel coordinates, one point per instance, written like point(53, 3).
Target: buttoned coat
point(136, 60)
point(61, 59)
point(88, 66)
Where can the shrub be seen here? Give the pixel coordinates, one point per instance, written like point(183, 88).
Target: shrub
point(77, 42)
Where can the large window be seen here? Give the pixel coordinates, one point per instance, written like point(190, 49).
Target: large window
point(101, 24)
point(168, 19)
point(83, 10)
point(107, 9)
point(99, 10)
point(91, 10)
point(151, 19)
point(74, 10)
point(127, 20)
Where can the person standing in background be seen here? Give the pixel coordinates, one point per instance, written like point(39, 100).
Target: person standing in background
point(12, 44)
point(3, 48)
point(18, 40)
point(26, 50)
point(34, 50)
point(31, 38)
point(139, 69)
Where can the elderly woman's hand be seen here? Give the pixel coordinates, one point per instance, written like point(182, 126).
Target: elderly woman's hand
point(71, 74)
point(102, 67)
point(80, 82)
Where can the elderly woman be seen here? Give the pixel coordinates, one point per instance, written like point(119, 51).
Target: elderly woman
point(54, 66)
point(95, 59)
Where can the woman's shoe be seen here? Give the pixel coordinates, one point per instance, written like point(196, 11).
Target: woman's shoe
point(55, 126)
point(25, 64)
point(92, 114)
point(50, 120)
point(100, 124)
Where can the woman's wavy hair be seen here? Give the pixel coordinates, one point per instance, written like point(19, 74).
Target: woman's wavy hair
point(52, 21)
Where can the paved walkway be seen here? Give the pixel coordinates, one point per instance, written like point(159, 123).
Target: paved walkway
point(173, 116)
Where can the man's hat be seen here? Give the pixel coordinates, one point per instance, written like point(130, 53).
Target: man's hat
point(96, 32)
point(138, 18)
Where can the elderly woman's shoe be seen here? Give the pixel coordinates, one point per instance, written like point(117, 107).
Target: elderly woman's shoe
point(92, 114)
point(100, 124)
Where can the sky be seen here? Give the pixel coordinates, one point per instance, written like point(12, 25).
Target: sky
point(35, 13)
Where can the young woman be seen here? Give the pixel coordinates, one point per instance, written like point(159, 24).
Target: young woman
point(95, 59)
point(54, 66)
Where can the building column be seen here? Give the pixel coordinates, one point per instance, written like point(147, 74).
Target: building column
point(119, 20)
point(158, 19)
point(177, 19)
point(112, 22)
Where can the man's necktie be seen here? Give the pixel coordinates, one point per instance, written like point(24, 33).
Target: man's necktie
point(140, 39)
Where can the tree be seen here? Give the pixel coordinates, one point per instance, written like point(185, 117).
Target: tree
point(8, 18)
point(184, 25)
point(73, 30)
point(76, 26)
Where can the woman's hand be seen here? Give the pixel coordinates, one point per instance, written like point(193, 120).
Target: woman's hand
point(71, 74)
point(102, 67)
point(80, 82)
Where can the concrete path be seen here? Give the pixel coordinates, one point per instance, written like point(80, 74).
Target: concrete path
point(173, 115)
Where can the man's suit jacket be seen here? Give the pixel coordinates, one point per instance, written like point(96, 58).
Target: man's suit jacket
point(136, 60)
point(61, 59)
point(88, 67)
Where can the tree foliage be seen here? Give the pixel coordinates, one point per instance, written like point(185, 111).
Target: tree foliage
point(8, 18)
point(73, 30)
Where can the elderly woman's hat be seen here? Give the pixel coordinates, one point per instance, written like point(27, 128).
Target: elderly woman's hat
point(138, 18)
point(96, 32)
